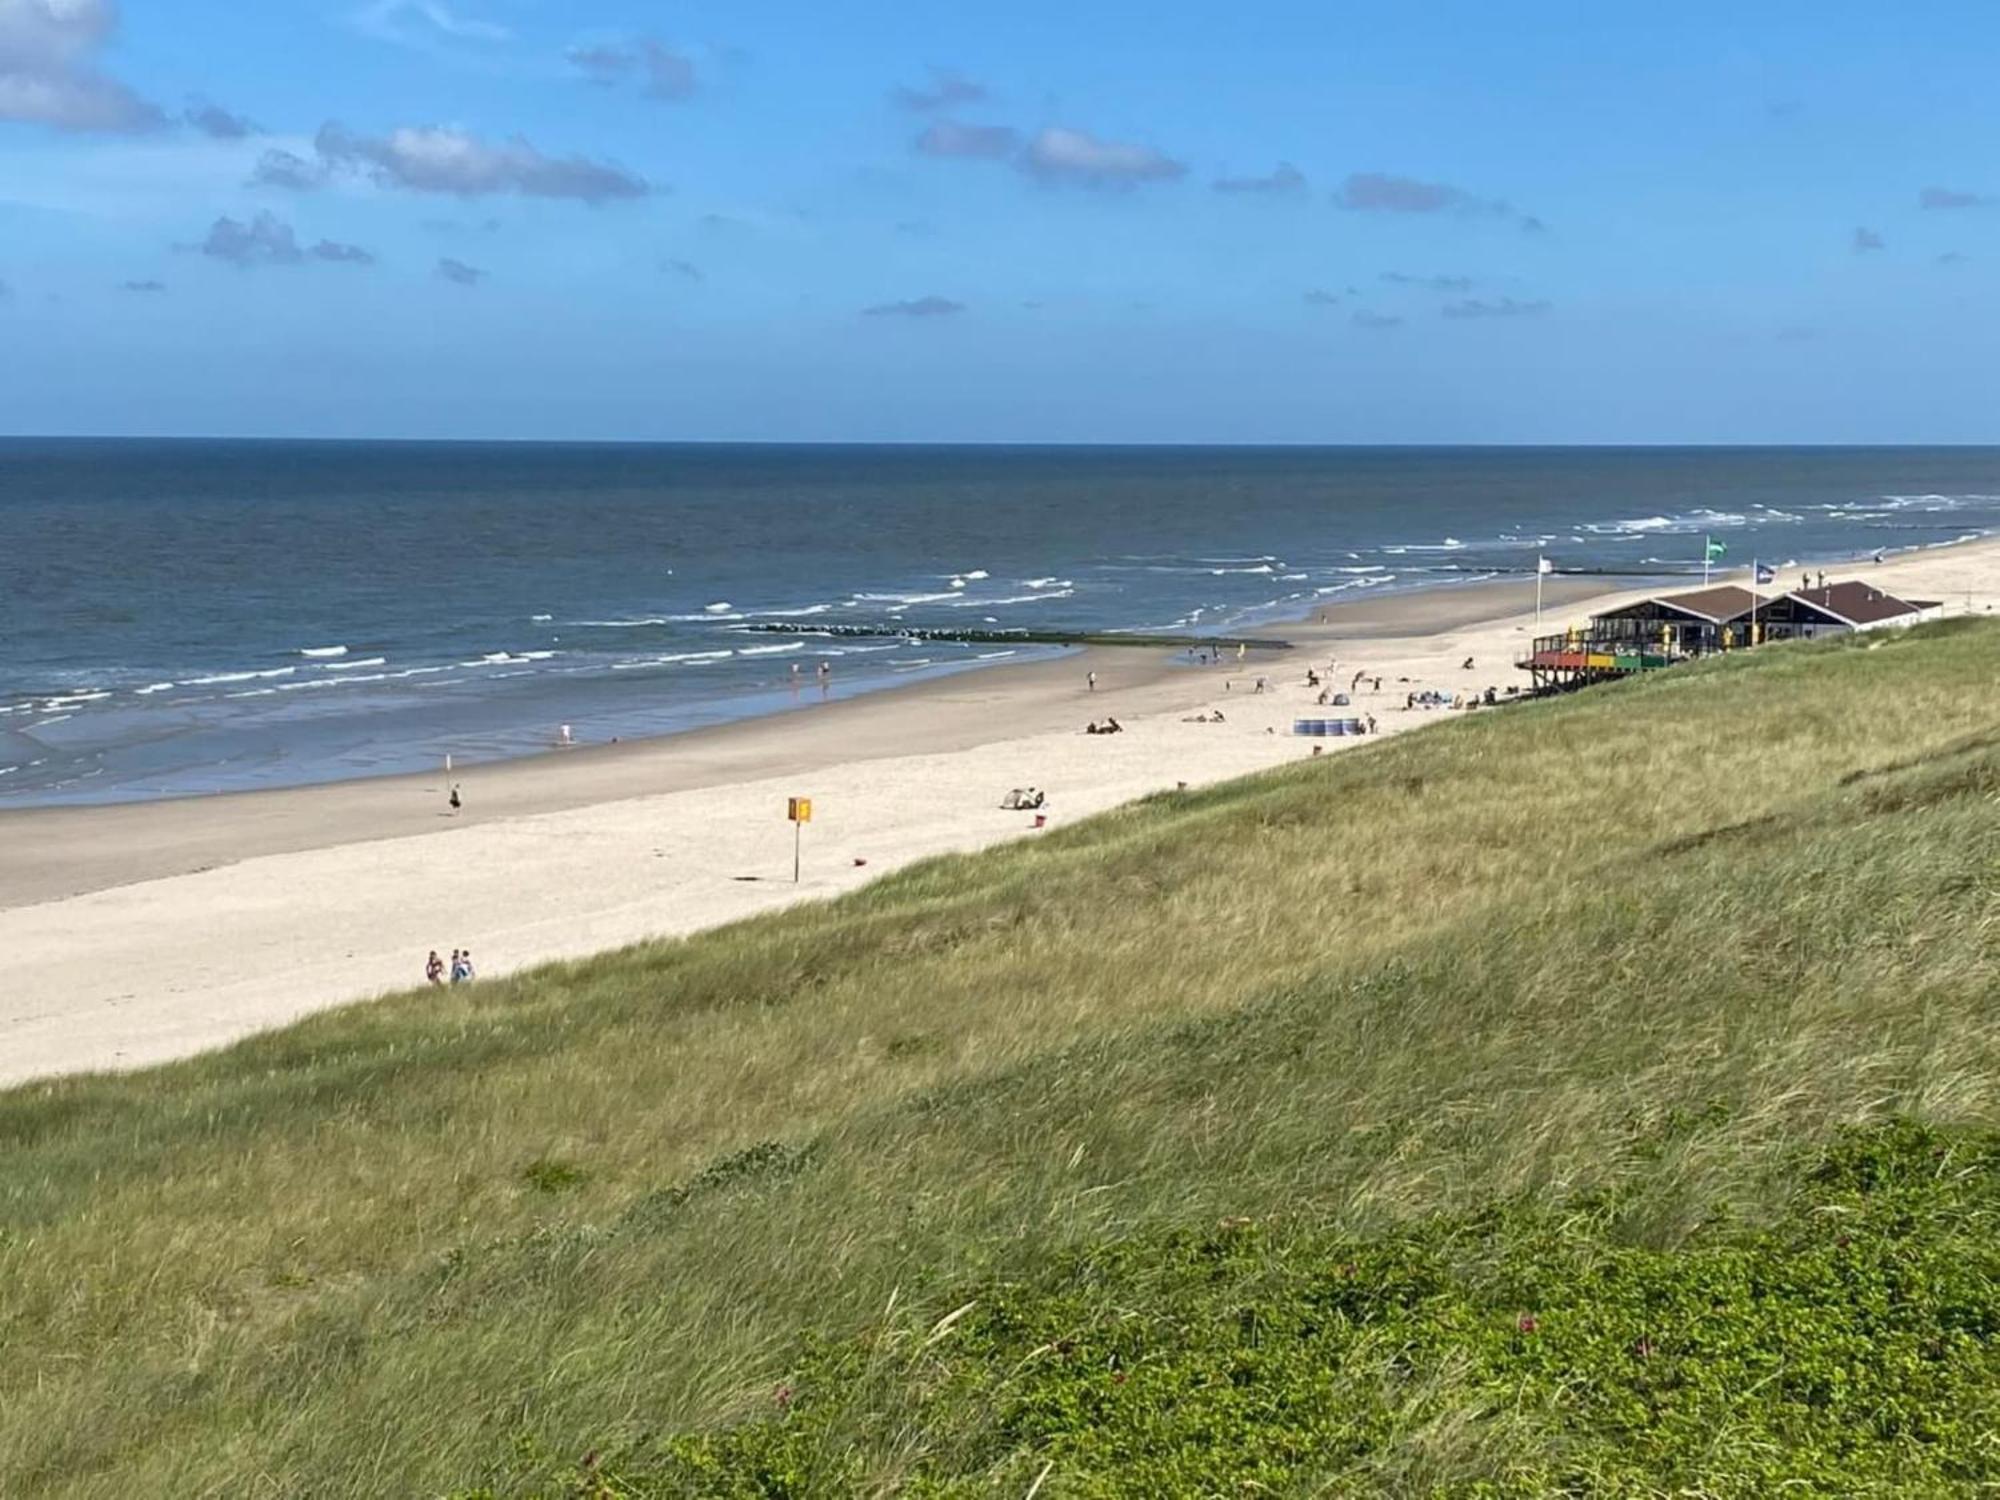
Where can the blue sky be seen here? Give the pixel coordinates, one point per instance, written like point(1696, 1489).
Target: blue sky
point(1455, 222)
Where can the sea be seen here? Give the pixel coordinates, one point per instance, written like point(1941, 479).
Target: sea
point(188, 617)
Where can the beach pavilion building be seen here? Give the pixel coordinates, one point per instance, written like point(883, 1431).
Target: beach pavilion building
point(1690, 624)
point(1640, 637)
point(1668, 628)
point(1836, 609)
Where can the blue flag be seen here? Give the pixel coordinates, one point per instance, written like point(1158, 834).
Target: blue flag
point(1765, 573)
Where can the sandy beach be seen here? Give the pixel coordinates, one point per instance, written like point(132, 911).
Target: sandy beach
point(140, 933)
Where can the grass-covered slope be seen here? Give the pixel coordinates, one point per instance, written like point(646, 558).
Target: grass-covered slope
point(1547, 1015)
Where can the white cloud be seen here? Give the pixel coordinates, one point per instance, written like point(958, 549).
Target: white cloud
point(949, 138)
point(1285, 179)
point(287, 169)
point(1383, 192)
point(268, 240)
point(217, 123)
point(915, 307)
point(459, 272)
point(415, 22)
point(48, 74)
point(1057, 154)
point(665, 74)
point(1504, 307)
point(948, 89)
point(444, 159)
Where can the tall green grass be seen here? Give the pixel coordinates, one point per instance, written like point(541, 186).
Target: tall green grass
point(1641, 947)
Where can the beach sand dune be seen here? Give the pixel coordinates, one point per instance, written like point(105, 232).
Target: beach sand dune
point(141, 933)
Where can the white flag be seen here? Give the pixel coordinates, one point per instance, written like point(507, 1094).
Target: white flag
point(1543, 565)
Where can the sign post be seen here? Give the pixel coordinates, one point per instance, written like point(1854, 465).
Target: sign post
point(800, 811)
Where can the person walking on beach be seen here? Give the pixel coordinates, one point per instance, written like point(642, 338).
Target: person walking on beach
point(457, 964)
point(454, 799)
point(434, 968)
point(465, 963)
point(1092, 679)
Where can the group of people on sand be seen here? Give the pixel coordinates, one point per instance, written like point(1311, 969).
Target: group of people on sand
point(1109, 726)
point(460, 971)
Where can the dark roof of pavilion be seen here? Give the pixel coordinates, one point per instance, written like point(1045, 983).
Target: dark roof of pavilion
point(1857, 603)
point(1717, 605)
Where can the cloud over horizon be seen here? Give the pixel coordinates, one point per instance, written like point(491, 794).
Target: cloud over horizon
point(916, 307)
point(1376, 320)
point(279, 168)
point(268, 240)
point(663, 73)
point(952, 139)
point(444, 159)
point(1284, 178)
point(948, 90)
point(1947, 198)
point(414, 22)
point(456, 271)
point(1060, 154)
point(215, 122)
point(333, 250)
point(1505, 307)
point(1384, 192)
point(1867, 240)
point(1430, 283)
point(48, 70)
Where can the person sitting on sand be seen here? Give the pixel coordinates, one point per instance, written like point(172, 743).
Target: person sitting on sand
point(454, 799)
point(434, 968)
point(1218, 717)
point(1468, 664)
point(1112, 726)
point(1312, 678)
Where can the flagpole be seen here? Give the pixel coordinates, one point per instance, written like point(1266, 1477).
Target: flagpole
point(1704, 559)
point(1539, 570)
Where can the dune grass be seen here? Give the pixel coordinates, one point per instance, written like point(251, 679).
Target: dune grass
point(1638, 953)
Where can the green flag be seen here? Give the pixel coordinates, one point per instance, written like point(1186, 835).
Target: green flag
point(1715, 549)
